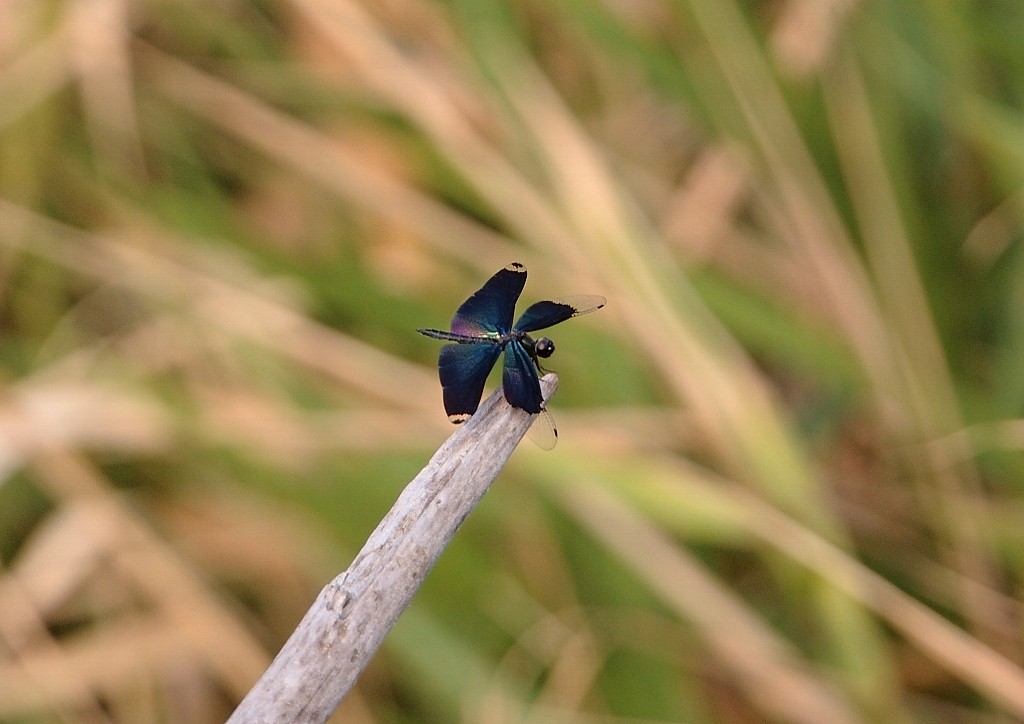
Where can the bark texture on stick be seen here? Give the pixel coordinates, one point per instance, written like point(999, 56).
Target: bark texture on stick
point(341, 631)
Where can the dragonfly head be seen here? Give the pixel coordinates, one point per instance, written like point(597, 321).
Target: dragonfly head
point(544, 347)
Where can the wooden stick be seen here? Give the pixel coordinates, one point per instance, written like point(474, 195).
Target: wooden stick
point(339, 634)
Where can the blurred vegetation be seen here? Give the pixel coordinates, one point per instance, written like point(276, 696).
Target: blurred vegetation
point(789, 482)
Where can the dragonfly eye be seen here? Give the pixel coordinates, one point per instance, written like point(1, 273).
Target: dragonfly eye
point(544, 347)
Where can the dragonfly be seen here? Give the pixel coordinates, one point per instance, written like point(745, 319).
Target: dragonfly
point(482, 328)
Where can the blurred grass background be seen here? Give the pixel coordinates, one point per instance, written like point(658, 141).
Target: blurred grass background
point(789, 483)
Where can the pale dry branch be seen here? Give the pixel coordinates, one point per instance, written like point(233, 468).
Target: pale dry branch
point(339, 634)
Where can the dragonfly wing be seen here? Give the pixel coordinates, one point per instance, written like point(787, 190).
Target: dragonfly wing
point(491, 308)
point(543, 432)
point(463, 369)
point(519, 380)
point(549, 313)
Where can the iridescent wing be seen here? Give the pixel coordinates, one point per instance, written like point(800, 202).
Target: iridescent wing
point(463, 369)
point(522, 389)
point(519, 380)
point(547, 314)
point(490, 310)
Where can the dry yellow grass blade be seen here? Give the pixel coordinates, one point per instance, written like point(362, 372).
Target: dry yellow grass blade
point(95, 555)
point(928, 394)
point(323, 158)
point(969, 658)
point(223, 305)
point(48, 676)
point(806, 33)
point(815, 227)
point(960, 446)
point(432, 98)
point(913, 392)
point(768, 669)
point(99, 665)
point(46, 412)
point(695, 354)
point(206, 629)
point(90, 44)
point(35, 75)
point(99, 47)
point(700, 214)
